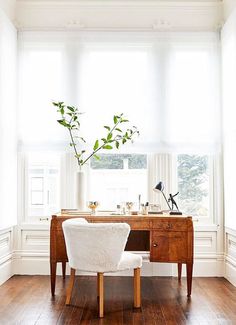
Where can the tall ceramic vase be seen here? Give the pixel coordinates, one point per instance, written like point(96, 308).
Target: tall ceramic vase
point(80, 190)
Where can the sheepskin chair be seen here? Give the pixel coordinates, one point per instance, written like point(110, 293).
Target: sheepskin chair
point(99, 248)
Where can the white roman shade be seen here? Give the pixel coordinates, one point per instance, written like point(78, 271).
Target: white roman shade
point(166, 83)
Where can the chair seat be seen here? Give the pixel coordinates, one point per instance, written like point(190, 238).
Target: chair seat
point(129, 261)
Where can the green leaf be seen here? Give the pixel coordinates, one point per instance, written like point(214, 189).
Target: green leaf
point(107, 127)
point(96, 157)
point(63, 122)
point(96, 145)
point(115, 119)
point(71, 108)
point(107, 147)
point(123, 141)
point(117, 145)
point(123, 120)
point(62, 111)
point(117, 129)
point(55, 104)
point(104, 140)
point(109, 136)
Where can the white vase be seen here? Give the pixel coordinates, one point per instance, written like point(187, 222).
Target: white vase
point(80, 190)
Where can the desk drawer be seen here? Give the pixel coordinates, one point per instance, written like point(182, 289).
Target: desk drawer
point(167, 225)
point(139, 225)
point(134, 225)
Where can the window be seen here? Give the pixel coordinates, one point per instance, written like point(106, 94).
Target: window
point(117, 178)
point(43, 183)
point(194, 187)
point(166, 86)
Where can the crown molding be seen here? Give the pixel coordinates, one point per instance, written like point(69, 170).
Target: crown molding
point(119, 15)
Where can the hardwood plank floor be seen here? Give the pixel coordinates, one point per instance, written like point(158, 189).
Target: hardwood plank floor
point(26, 300)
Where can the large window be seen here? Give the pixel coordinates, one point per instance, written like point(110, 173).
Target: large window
point(166, 84)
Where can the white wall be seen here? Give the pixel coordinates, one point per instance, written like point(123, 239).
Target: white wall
point(228, 37)
point(8, 152)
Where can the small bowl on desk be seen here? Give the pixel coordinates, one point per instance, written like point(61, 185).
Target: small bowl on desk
point(134, 213)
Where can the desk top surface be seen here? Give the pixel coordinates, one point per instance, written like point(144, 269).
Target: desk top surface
point(116, 217)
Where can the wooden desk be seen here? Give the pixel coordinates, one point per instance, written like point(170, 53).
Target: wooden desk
point(169, 239)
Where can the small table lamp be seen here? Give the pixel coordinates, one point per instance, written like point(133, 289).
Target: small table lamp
point(160, 188)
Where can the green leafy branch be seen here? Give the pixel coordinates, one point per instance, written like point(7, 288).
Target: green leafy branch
point(114, 138)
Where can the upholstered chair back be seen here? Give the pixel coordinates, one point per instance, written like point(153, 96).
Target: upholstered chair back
point(95, 247)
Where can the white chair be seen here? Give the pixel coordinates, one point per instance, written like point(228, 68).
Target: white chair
point(100, 248)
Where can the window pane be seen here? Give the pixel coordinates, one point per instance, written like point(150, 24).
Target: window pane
point(193, 184)
point(37, 184)
point(114, 161)
point(43, 172)
point(36, 198)
point(116, 179)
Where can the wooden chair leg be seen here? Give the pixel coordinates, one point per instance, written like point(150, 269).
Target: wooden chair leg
point(98, 288)
point(100, 284)
point(70, 286)
point(137, 288)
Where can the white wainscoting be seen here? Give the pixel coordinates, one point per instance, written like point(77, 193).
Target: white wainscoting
point(32, 254)
point(6, 248)
point(230, 255)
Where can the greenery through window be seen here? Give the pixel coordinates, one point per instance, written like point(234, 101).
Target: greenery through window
point(120, 161)
point(117, 178)
point(193, 184)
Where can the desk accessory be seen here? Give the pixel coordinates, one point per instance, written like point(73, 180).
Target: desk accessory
point(160, 188)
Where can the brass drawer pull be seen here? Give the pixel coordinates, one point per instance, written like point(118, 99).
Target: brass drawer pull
point(154, 245)
point(169, 226)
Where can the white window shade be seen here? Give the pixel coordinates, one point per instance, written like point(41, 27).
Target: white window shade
point(165, 84)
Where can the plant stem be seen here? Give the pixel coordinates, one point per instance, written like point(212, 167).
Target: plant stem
point(74, 146)
point(93, 153)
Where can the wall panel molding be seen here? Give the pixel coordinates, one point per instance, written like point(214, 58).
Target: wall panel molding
point(32, 255)
point(6, 254)
point(230, 256)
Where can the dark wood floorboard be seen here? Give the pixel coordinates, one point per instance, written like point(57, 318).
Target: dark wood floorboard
point(27, 300)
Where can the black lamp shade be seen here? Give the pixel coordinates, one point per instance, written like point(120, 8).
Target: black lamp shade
point(159, 187)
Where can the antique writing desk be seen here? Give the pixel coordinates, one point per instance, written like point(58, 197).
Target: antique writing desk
point(168, 238)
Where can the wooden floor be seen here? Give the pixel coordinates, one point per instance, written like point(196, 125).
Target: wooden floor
point(27, 300)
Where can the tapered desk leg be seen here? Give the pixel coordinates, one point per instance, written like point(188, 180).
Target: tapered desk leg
point(63, 264)
point(179, 271)
point(189, 267)
point(53, 268)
